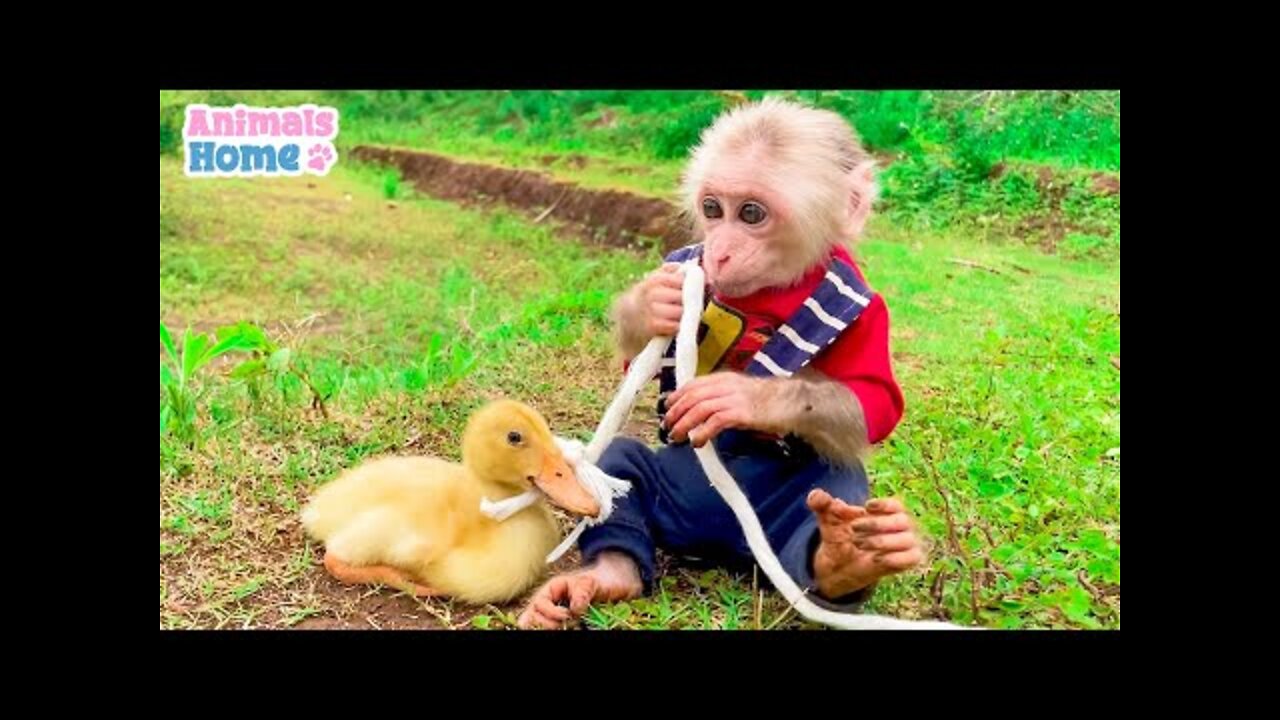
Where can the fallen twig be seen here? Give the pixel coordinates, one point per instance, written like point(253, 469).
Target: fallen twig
point(1097, 594)
point(955, 543)
point(985, 528)
point(463, 319)
point(755, 590)
point(996, 568)
point(787, 613)
point(543, 215)
point(317, 400)
point(935, 592)
point(972, 264)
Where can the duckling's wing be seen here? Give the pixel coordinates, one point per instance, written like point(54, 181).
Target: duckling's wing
point(381, 535)
point(386, 486)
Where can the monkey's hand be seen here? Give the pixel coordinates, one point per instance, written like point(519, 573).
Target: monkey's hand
point(821, 412)
point(562, 600)
point(649, 309)
point(707, 405)
point(565, 598)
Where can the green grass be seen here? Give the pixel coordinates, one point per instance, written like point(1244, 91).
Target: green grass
point(949, 144)
point(407, 316)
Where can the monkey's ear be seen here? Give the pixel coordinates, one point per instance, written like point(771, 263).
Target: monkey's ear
point(862, 195)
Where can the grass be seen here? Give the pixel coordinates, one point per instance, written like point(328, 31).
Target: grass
point(404, 313)
point(996, 164)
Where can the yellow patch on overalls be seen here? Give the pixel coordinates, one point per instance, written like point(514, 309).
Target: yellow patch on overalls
point(723, 328)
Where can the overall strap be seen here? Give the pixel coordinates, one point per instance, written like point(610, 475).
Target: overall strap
point(834, 305)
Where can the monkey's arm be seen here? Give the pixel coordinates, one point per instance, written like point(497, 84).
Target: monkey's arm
point(822, 412)
point(628, 323)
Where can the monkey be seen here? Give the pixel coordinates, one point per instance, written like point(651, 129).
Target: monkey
point(794, 383)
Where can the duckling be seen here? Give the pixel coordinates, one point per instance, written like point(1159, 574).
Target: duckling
point(415, 523)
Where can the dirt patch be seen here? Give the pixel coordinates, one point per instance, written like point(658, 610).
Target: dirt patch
point(575, 160)
point(351, 607)
point(1052, 225)
point(617, 218)
point(363, 610)
point(1104, 184)
point(913, 361)
point(1100, 183)
point(623, 219)
point(607, 119)
point(885, 159)
point(1052, 228)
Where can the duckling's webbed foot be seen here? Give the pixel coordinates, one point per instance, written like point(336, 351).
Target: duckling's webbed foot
point(375, 575)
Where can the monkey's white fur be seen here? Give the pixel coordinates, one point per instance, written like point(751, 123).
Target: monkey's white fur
point(812, 157)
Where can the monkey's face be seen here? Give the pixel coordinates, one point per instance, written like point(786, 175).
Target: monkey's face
point(746, 238)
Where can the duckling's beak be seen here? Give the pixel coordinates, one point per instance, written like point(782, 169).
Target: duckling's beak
point(561, 486)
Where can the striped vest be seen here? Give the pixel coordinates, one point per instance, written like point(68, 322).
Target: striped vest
point(833, 306)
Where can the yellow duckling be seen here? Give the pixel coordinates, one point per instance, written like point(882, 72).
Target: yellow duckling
point(414, 523)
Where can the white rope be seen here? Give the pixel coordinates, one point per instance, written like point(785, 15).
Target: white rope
point(604, 487)
point(686, 364)
point(503, 509)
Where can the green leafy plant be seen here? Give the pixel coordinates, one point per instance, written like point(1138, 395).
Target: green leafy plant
point(180, 394)
point(269, 361)
point(171, 119)
point(439, 367)
point(391, 185)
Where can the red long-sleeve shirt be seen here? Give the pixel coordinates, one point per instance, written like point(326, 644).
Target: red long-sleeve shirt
point(859, 359)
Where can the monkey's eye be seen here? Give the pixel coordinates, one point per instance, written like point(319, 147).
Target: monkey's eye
point(752, 213)
point(711, 208)
point(514, 438)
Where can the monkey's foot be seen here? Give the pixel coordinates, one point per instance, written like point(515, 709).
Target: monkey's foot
point(858, 547)
point(375, 575)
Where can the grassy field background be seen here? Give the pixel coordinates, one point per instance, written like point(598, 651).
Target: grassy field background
point(389, 316)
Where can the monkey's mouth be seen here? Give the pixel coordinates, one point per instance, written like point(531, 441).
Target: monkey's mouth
point(728, 287)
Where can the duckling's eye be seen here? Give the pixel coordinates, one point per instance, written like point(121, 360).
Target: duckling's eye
point(514, 437)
